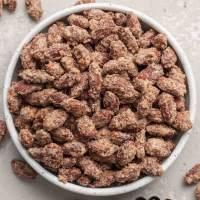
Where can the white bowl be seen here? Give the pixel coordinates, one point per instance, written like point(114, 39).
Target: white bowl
point(52, 178)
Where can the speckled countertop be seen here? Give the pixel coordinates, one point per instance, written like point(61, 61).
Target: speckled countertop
point(182, 19)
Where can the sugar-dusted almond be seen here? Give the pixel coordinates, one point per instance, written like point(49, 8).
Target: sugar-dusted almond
point(167, 107)
point(157, 147)
point(193, 175)
point(160, 130)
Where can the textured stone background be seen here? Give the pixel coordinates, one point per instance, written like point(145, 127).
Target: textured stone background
point(182, 18)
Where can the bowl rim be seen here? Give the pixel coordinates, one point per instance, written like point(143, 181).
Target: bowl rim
point(36, 166)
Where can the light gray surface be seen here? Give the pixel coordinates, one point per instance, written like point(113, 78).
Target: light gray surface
point(178, 16)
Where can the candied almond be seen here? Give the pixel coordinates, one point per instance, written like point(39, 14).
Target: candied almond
point(134, 25)
point(182, 121)
point(168, 58)
point(75, 149)
point(69, 65)
point(120, 19)
point(160, 41)
point(56, 52)
point(148, 98)
point(55, 33)
point(107, 178)
point(82, 56)
point(86, 127)
point(158, 147)
point(171, 86)
point(122, 64)
point(180, 103)
point(52, 156)
point(160, 130)
point(151, 166)
point(22, 169)
point(39, 117)
point(102, 147)
point(26, 138)
point(155, 115)
point(57, 98)
point(62, 135)
point(105, 42)
point(118, 49)
point(140, 140)
point(69, 175)
point(118, 137)
point(99, 57)
point(23, 88)
point(102, 28)
point(36, 153)
point(125, 120)
point(54, 119)
point(193, 175)
point(39, 46)
point(96, 14)
point(126, 153)
point(11, 5)
point(177, 74)
point(34, 9)
point(79, 87)
point(129, 173)
point(146, 38)
point(121, 87)
point(14, 100)
point(67, 80)
point(68, 162)
point(35, 76)
point(102, 118)
point(76, 107)
point(147, 56)
point(42, 137)
point(27, 60)
point(95, 80)
point(167, 107)
point(54, 69)
point(20, 123)
point(128, 39)
point(28, 113)
point(76, 34)
point(110, 160)
point(90, 168)
point(151, 73)
point(78, 20)
point(111, 101)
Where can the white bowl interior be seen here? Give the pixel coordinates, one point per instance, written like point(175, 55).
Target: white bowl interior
point(11, 72)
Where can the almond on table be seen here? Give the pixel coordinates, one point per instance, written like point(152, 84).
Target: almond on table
point(22, 169)
point(34, 9)
point(193, 175)
point(10, 4)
